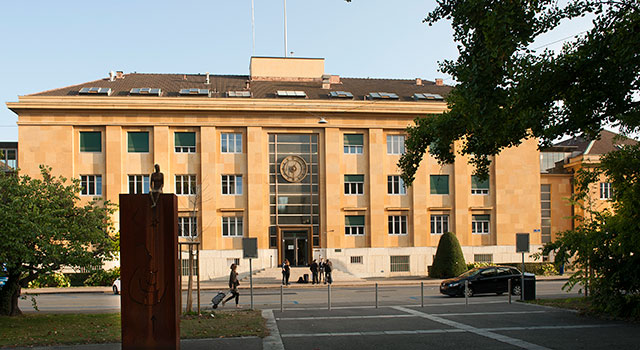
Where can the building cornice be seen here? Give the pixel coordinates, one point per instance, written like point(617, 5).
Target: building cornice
point(224, 104)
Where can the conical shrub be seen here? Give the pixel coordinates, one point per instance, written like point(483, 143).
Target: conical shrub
point(449, 261)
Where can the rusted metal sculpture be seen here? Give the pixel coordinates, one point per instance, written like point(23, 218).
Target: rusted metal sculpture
point(148, 268)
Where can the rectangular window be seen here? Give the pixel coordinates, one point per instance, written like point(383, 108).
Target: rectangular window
point(483, 258)
point(356, 259)
point(188, 226)
point(480, 224)
point(354, 184)
point(397, 225)
point(439, 184)
point(138, 142)
point(9, 157)
point(233, 261)
point(353, 143)
point(90, 141)
point(185, 185)
point(439, 224)
point(138, 184)
point(185, 267)
point(354, 225)
point(230, 143)
point(399, 263)
point(479, 186)
point(395, 144)
point(545, 205)
point(395, 185)
point(91, 185)
point(232, 184)
point(606, 191)
point(185, 142)
point(232, 226)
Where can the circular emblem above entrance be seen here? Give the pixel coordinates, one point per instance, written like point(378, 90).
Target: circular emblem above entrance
point(293, 169)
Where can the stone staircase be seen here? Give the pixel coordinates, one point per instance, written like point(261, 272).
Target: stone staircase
point(274, 275)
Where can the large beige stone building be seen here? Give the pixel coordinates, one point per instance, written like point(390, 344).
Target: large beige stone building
point(302, 160)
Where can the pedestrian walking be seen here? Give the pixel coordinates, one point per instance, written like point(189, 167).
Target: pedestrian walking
point(328, 267)
point(286, 272)
point(321, 271)
point(314, 272)
point(233, 285)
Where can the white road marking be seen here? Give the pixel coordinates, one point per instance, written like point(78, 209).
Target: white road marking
point(273, 341)
point(340, 317)
point(492, 313)
point(324, 307)
point(499, 337)
point(438, 331)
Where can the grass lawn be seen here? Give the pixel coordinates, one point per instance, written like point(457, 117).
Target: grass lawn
point(49, 329)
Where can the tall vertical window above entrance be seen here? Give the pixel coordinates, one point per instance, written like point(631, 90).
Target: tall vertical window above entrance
point(293, 184)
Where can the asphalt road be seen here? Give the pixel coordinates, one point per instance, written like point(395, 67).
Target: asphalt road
point(293, 297)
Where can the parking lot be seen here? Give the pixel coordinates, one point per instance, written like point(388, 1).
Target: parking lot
point(483, 324)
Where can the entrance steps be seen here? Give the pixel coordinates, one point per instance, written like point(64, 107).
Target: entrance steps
point(274, 274)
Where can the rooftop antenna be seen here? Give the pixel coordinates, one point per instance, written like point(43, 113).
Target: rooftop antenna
point(253, 28)
point(285, 28)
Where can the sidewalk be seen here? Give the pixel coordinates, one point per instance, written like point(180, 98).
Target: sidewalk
point(273, 283)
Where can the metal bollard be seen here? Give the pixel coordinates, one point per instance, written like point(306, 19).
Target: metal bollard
point(281, 294)
point(509, 289)
point(376, 295)
point(329, 296)
point(466, 292)
point(421, 294)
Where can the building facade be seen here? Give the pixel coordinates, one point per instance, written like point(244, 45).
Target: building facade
point(304, 161)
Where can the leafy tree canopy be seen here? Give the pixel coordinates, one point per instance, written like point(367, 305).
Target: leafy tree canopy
point(43, 227)
point(508, 93)
point(605, 245)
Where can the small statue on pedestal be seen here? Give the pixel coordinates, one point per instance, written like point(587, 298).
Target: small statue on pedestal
point(156, 183)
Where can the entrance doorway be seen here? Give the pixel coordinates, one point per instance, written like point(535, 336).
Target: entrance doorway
point(295, 246)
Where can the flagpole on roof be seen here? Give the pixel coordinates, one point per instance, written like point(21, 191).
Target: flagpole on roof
point(253, 28)
point(285, 28)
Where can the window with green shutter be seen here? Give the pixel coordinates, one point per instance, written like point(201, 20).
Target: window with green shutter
point(138, 142)
point(354, 225)
point(185, 142)
point(439, 184)
point(90, 141)
point(479, 186)
point(353, 143)
point(354, 184)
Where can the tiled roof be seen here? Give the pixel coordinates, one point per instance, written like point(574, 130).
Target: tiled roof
point(607, 142)
point(220, 84)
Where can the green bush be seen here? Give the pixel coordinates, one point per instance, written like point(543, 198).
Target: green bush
point(57, 280)
point(537, 268)
point(102, 277)
point(77, 278)
point(473, 265)
point(449, 261)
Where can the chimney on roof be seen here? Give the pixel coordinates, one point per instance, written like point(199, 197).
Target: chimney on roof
point(112, 76)
point(439, 81)
point(207, 79)
point(247, 85)
point(326, 81)
point(119, 74)
point(418, 82)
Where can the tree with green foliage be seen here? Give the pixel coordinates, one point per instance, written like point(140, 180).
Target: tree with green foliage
point(605, 245)
point(449, 260)
point(507, 92)
point(43, 228)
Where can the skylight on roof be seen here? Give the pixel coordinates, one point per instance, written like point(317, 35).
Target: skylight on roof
point(146, 91)
point(421, 96)
point(238, 93)
point(285, 93)
point(383, 96)
point(340, 94)
point(95, 90)
point(194, 92)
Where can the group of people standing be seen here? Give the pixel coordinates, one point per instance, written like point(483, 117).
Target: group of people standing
point(320, 272)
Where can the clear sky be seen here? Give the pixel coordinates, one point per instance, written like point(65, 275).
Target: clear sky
point(50, 44)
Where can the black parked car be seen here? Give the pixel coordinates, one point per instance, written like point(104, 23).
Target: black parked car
point(490, 279)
